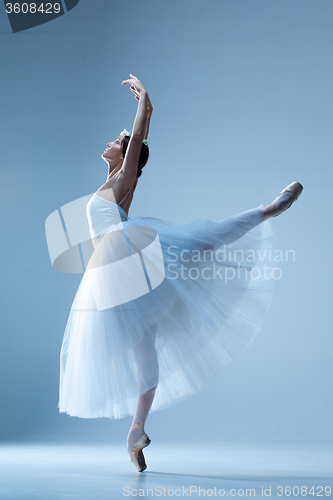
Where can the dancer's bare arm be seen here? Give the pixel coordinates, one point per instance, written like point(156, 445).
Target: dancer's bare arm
point(149, 109)
point(129, 167)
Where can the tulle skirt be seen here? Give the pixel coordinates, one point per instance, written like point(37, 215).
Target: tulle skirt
point(136, 324)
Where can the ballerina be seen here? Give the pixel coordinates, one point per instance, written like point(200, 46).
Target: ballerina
point(141, 354)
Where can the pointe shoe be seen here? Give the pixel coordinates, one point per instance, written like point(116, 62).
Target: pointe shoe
point(136, 453)
point(285, 199)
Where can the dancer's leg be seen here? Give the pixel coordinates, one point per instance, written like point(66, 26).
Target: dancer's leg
point(233, 228)
point(143, 406)
point(144, 403)
point(147, 362)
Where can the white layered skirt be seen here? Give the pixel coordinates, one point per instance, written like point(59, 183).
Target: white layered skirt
point(166, 305)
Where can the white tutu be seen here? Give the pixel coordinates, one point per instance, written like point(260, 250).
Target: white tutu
point(135, 324)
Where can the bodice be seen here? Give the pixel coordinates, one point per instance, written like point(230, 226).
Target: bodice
point(103, 216)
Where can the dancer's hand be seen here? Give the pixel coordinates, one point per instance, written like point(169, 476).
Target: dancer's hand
point(136, 84)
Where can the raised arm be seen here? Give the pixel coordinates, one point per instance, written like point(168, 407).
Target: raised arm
point(149, 109)
point(129, 167)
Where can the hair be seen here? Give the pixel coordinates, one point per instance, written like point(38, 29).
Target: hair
point(144, 154)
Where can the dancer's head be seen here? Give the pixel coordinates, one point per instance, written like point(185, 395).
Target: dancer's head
point(116, 150)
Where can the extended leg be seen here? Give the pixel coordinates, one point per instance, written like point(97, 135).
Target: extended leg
point(233, 228)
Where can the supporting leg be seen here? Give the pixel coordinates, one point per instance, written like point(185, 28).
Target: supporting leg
point(143, 406)
point(147, 369)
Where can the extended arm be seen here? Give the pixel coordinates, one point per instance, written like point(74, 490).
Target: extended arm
point(130, 164)
point(149, 113)
point(140, 122)
point(149, 109)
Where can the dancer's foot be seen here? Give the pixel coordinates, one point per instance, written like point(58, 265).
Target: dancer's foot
point(135, 447)
point(133, 436)
point(284, 200)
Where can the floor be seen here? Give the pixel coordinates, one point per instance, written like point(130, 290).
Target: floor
point(82, 470)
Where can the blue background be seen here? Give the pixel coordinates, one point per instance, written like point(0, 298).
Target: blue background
point(242, 96)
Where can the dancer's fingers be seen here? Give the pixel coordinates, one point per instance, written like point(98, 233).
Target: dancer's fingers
point(136, 83)
point(135, 94)
point(128, 80)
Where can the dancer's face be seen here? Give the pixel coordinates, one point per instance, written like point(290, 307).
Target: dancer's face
point(114, 150)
